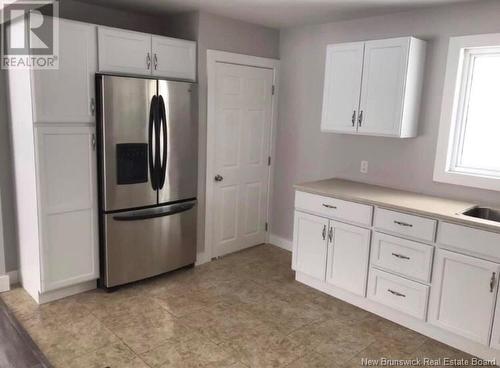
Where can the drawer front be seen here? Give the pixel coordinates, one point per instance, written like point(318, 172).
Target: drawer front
point(334, 208)
point(480, 243)
point(409, 225)
point(402, 256)
point(396, 292)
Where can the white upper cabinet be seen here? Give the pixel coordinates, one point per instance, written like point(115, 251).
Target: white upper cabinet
point(122, 51)
point(381, 103)
point(66, 94)
point(344, 67)
point(136, 53)
point(174, 58)
point(374, 87)
point(463, 295)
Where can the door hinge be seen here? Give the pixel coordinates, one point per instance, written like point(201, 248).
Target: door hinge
point(269, 161)
point(266, 226)
point(272, 89)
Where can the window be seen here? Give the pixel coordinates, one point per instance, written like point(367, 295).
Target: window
point(468, 151)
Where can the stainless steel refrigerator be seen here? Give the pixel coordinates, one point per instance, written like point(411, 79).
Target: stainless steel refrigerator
point(147, 158)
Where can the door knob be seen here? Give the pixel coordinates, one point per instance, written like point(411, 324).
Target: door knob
point(218, 178)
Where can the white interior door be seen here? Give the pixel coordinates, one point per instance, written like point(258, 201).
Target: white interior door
point(343, 70)
point(242, 133)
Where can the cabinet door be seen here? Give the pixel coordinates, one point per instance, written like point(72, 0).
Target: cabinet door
point(174, 58)
point(348, 255)
point(495, 332)
point(123, 51)
point(343, 69)
point(309, 245)
point(66, 167)
point(463, 295)
point(382, 92)
point(65, 95)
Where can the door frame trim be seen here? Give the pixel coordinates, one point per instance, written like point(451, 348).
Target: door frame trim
point(214, 57)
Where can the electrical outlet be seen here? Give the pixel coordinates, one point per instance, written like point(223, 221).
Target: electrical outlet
point(364, 167)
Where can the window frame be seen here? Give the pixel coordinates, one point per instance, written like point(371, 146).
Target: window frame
point(456, 89)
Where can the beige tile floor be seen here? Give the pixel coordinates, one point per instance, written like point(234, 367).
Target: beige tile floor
point(244, 310)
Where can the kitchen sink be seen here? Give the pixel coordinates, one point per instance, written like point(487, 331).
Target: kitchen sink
point(484, 213)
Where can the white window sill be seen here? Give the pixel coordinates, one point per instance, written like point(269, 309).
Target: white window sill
point(468, 180)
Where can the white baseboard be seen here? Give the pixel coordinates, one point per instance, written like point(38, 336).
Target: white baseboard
point(52, 295)
point(14, 277)
point(281, 242)
point(415, 324)
point(4, 283)
point(201, 258)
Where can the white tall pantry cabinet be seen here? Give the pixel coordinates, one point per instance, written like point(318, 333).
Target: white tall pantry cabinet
point(53, 135)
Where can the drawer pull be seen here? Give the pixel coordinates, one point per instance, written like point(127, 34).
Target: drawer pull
point(492, 282)
point(329, 206)
point(400, 256)
point(400, 223)
point(396, 293)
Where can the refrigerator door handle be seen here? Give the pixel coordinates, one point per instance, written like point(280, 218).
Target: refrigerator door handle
point(152, 154)
point(150, 213)
point(164, 142)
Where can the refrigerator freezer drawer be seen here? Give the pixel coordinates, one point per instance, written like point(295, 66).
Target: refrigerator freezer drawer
point(144, 243)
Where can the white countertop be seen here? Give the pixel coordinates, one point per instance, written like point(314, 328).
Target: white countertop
point(441, 208)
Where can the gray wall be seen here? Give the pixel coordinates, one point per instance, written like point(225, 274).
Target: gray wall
point(303, 153)
point(7, 183)
point(218, 33)
point(91, 13)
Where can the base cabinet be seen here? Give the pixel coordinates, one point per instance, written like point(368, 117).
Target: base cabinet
point(348, 255)
point(310, 245)
point(464, 291)
point(66, 168)
point(446, 289)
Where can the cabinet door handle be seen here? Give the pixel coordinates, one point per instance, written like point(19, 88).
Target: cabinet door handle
point(148, 61)
point(93, 142)
point(92, 106)
point(353, 118)
point(400, 256)
point(492, 282)
point(155, 58)
point(330, 234)
point(396, 293)
point(329, 206)
point(360, 118)
point(400, 223)
point(324, 232)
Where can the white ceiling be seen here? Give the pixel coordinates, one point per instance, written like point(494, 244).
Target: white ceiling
point(278, 13)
